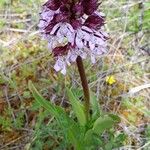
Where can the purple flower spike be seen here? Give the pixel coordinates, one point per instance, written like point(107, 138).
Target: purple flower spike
point(73, 28)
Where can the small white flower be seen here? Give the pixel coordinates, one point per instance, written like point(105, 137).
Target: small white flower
point(97, 40)
point(60, 65)
point(74, 53)
point(46, 16)
point(52, 42)
point(63, 30)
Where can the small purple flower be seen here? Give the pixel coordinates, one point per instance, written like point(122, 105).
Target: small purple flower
point(73, 28)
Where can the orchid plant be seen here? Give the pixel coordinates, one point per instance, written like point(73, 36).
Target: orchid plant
point(74, 31)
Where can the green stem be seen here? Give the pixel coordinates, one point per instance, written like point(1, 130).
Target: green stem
point(84, 85)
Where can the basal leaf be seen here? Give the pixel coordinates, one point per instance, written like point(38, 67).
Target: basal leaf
point(103, 123)
point(44, 103)
point(92, 139)
point(70, 128)
point(77, 108)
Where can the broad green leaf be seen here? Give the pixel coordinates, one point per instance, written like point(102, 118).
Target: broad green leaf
point(44, 103)
point(109, 146)
point(75, 136)
point(77, 108)
point(103, 123)
point(92, 139)
point(70, 128)
point(54, 110)
point(89, 137)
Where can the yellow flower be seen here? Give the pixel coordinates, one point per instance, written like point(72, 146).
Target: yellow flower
point(110, 80)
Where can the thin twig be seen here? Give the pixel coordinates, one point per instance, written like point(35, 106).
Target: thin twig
point(9, 105)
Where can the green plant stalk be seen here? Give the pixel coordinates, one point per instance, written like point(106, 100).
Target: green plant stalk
point(84, 86)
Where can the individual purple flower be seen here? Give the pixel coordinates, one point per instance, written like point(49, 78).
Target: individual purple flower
point(73, 28)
